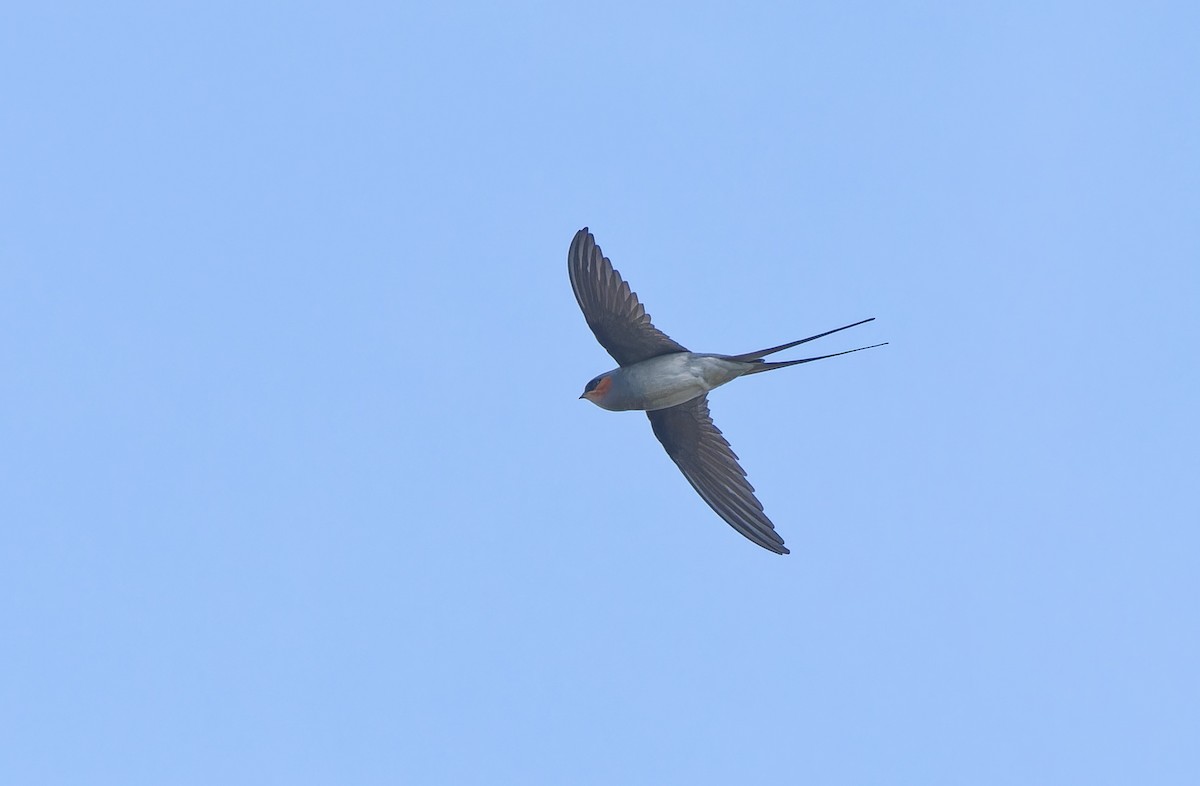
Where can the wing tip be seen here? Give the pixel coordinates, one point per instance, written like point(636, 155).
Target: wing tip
point(581, 237)
point(772, 542)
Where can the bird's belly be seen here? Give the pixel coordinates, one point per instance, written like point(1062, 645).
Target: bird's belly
point(665, 394)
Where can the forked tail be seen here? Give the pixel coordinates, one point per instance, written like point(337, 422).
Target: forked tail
point(763, 365)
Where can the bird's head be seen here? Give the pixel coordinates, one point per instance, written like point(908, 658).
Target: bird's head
point(597, 389)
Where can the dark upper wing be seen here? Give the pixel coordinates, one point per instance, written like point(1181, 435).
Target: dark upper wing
point(612, 311)
point(710, 465)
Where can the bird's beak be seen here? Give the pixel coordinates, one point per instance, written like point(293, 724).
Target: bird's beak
point(583, 395)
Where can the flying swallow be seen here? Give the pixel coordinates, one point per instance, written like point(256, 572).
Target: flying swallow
point(671, 384)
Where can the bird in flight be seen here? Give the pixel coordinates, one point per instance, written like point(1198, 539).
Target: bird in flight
point(671, 384)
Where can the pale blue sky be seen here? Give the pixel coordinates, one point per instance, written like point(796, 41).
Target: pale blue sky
point(295, 484)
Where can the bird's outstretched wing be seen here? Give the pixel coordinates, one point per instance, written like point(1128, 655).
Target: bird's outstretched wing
point(611, 309)
point(710, 465)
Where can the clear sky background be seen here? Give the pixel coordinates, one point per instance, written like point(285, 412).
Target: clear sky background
point(296, 488)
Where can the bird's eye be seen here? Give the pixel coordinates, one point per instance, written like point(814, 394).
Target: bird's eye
point(591, 386)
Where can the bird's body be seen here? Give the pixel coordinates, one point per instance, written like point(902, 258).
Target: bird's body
point(671, 384)
point(667, 380)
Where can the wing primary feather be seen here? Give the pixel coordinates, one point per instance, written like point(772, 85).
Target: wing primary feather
point(753, 534)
